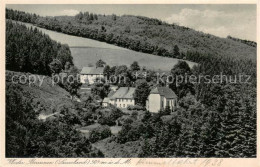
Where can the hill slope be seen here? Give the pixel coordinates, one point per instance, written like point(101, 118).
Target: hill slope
point(47, 99)
point(88, 51)
point(139, 33)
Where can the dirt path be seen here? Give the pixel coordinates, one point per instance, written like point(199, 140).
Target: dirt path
point(44, 117)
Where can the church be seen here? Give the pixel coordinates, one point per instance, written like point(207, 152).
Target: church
point(159, 98)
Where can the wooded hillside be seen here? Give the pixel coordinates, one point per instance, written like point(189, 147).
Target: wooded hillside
point(139, 33)
point(29, 50)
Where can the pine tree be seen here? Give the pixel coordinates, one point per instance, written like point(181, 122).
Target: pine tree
point(179, 85)
point(176, 51)
point(141, 93)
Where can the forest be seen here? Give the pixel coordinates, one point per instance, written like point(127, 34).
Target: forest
point(139, 33)
point(36, 54)
point(212, 120)
point(250, 43)
point(26, 136)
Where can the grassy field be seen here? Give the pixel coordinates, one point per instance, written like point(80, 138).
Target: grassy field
point(71, 40)
point(87, 51)
point(89, 55)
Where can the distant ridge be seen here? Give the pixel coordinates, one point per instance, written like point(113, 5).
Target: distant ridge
point(139, 33)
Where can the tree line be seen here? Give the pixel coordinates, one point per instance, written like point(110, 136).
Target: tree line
point(139, 33)
point(247, 42)
point(29, 50)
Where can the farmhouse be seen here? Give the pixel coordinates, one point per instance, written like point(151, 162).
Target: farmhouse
point(121, 98)
point(88, 75)
point(159, 98)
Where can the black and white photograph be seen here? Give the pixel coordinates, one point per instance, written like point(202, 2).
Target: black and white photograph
point(130, 81)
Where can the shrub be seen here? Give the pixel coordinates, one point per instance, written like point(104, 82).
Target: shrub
point(135, 107)
point(131, 131)
point(165, 111)
point(109, 116)
point(99, 133)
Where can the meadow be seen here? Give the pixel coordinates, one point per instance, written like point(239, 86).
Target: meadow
point(87, 51)
point(113, 57)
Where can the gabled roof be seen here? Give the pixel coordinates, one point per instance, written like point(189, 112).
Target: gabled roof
point(124, 93)
point(164, 91)
point(111, 93)
point(106, 100)
point(92, 70)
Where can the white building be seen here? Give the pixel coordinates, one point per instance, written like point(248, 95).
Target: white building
point(121, 98)
point(88, 75)
point(159, 98)
point(105, 102)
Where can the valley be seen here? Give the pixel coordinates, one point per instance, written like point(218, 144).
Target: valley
point(78, 113)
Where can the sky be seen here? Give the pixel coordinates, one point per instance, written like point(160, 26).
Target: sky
point(220, 20)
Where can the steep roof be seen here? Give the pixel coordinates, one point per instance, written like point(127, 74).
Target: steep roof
point(164, 91)
point(111, 93)
point(92, 70)
point(124, 93)
point(106, 100)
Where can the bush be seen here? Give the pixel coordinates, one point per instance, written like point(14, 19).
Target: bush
point(125, 119)
point(165, 111)
point(131, 131)
point(109, 116)
point(99, 133)
point(135, 107)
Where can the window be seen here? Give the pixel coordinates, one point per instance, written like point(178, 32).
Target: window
point(167, 103)
point(162, 106)
point(124, 105)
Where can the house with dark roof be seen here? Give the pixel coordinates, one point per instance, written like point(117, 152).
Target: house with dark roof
point(121, 98)
point(159, 98)
point(88, 75)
